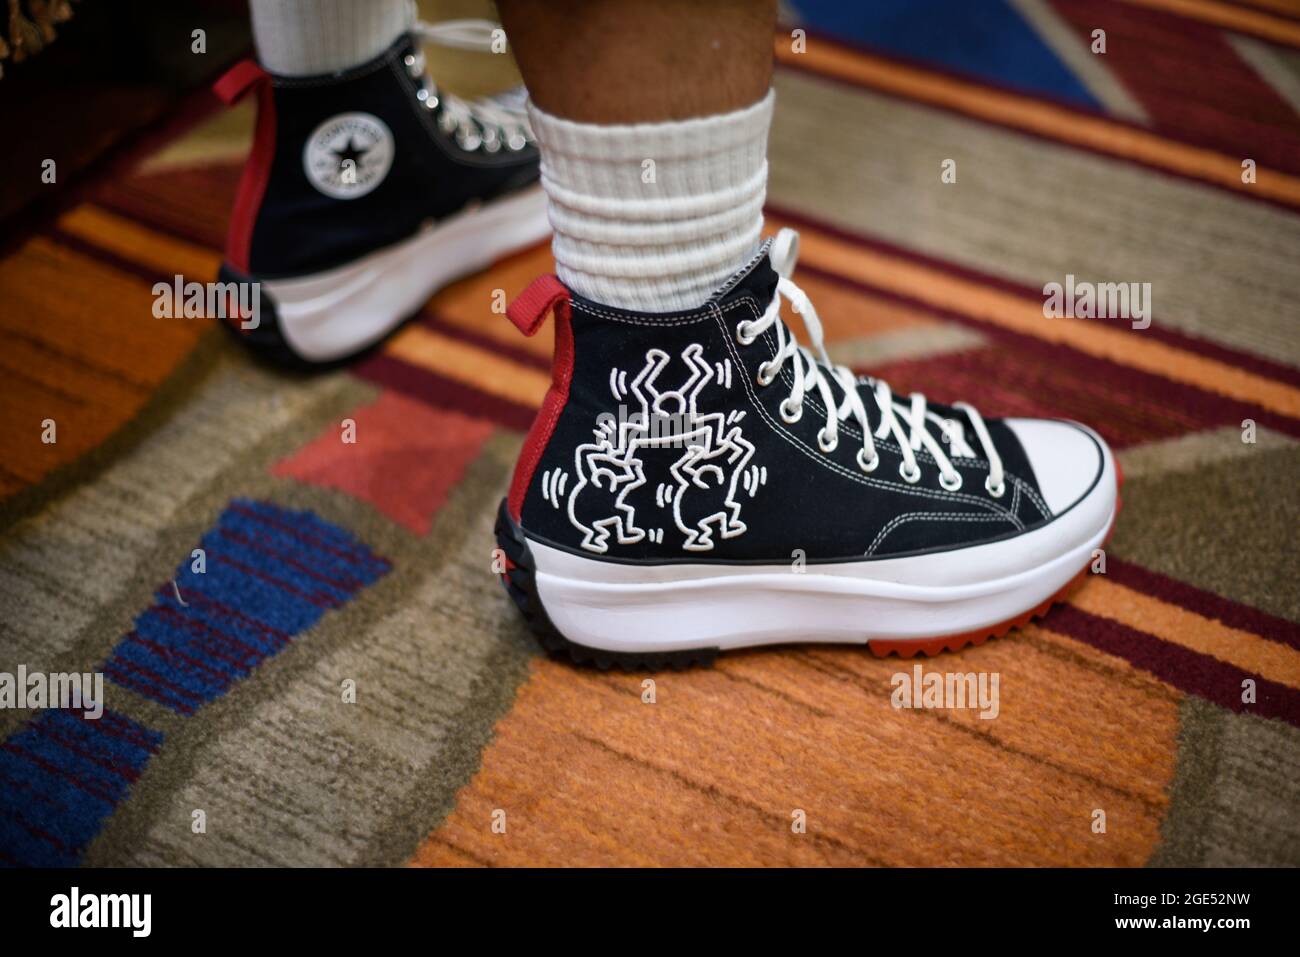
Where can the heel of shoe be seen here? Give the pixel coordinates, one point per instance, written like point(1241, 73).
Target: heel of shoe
point(266, 340)
point(520, 582)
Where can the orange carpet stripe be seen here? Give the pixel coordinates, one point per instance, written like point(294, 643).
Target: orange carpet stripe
point(968, 297)
point(499, 329)
point(1035, 116)
point(462, 362)
point(468, 304)
point(930, 285)
point(1230, 17)
point(1290, 8)
point(625, 780)
point(90, 370)
point(1207, 636)
point(140, 244)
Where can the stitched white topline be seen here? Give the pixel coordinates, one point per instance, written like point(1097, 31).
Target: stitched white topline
point(817, 372)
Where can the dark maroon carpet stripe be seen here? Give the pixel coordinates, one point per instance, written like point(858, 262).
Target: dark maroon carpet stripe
point(1187, 670)
point(800, 65)
point(94, 251)
point(1007, 380)
point(1222, 103)
point(192, 205)
point(1231, 613)
point(1024, 375)
point(428, 317)
point(1260, 365)
point(437, 391)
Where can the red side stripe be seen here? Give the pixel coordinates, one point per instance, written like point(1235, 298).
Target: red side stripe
point(237, 81)
point(528, 312)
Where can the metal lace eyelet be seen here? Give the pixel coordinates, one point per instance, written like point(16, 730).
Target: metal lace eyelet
point(865, 464)
point(765, 376)
point(742, 337)
point(826, 445)
point(468, 140)
point(431, 102)
point(414, 65)
point(421, 94)
point(516, 142)
point(952, 486)
point(911, 478)
point(996, 491)
point(792, 414)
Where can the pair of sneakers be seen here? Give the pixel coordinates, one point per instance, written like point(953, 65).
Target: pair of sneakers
point(694, 481)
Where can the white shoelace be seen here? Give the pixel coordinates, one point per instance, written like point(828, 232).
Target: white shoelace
point(490, 123)
point(817, 372)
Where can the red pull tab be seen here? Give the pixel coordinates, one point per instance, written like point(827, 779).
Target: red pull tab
point(238, 80)
point(532, 306)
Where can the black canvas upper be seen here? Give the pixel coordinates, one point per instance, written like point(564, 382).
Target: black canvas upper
point(790, 494)
point(300, 230)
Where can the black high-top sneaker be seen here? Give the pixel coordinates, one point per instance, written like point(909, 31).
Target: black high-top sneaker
point(699, 481)
point(365, 192)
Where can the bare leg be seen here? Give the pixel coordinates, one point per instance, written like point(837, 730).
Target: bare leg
point(628, 61)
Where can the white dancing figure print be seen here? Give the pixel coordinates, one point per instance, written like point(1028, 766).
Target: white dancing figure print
point(707, 458)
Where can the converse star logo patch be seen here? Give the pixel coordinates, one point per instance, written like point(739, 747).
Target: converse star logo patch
point(348, 155)
point(705, 455)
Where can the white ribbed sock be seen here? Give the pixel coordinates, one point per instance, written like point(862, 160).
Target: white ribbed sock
point(664, 245)
point(304, 37)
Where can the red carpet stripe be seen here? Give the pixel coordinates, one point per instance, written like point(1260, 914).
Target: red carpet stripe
point(1234, 16)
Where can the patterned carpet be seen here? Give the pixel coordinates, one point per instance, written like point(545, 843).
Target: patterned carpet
point(347, 684)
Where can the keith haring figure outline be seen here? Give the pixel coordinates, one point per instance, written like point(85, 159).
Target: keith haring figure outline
point(700, 490)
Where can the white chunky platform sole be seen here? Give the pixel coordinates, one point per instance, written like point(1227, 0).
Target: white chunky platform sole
point(332, 314)
point(675, 614)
